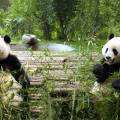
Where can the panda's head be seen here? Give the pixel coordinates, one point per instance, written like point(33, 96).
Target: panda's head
point(111, 50)
point(4, 47)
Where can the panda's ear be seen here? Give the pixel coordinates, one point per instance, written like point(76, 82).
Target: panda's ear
point(111, 36)
point(7, 39)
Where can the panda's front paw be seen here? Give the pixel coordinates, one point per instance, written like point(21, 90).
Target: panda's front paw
point(96, 88)
point(98, 70)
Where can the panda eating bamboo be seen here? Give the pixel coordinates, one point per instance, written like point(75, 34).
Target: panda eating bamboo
point(109, 65)
point(13, 78)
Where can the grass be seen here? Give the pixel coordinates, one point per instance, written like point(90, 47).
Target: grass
point(77, 104)
point(81, 45)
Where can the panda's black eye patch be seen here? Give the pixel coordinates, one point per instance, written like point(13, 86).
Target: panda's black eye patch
point(106, 50)
point(115, 51)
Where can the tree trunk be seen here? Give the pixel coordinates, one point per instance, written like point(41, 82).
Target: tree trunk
point(46, 28)
point(4, 4)
point(62, 28)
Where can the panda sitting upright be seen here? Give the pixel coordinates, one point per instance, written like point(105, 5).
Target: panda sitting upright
point(11, 64)
point(110, 63)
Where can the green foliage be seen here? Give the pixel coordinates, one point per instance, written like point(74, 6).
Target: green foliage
point(64, 10)
point(44, 13)
point(2, 16)
point(21, 18)
point(66, 19)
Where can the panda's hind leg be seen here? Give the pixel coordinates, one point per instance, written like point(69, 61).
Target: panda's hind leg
point(116, 84)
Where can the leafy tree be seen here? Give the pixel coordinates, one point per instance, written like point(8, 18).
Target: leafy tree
point(21, 19)
point(65, 19)
point(44, 13)
point(64, 10)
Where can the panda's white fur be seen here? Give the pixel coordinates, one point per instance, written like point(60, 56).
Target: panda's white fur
point(30, 41)
point(14, 82)
point(8, 85)
point(26, 38)
point(4, 49)
point(107, 51)
point(113, 43)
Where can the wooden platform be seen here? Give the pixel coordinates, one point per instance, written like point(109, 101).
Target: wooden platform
point(56, 70)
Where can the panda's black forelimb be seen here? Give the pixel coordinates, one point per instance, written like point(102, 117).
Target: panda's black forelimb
point(103, 71)
point(12, 64)
point(21, 77)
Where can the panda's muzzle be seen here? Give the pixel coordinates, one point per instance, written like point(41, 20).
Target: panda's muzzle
point(109, 60)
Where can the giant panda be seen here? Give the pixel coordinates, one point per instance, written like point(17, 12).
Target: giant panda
point(30, 41)
point(110, 63)
point(13, 89)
